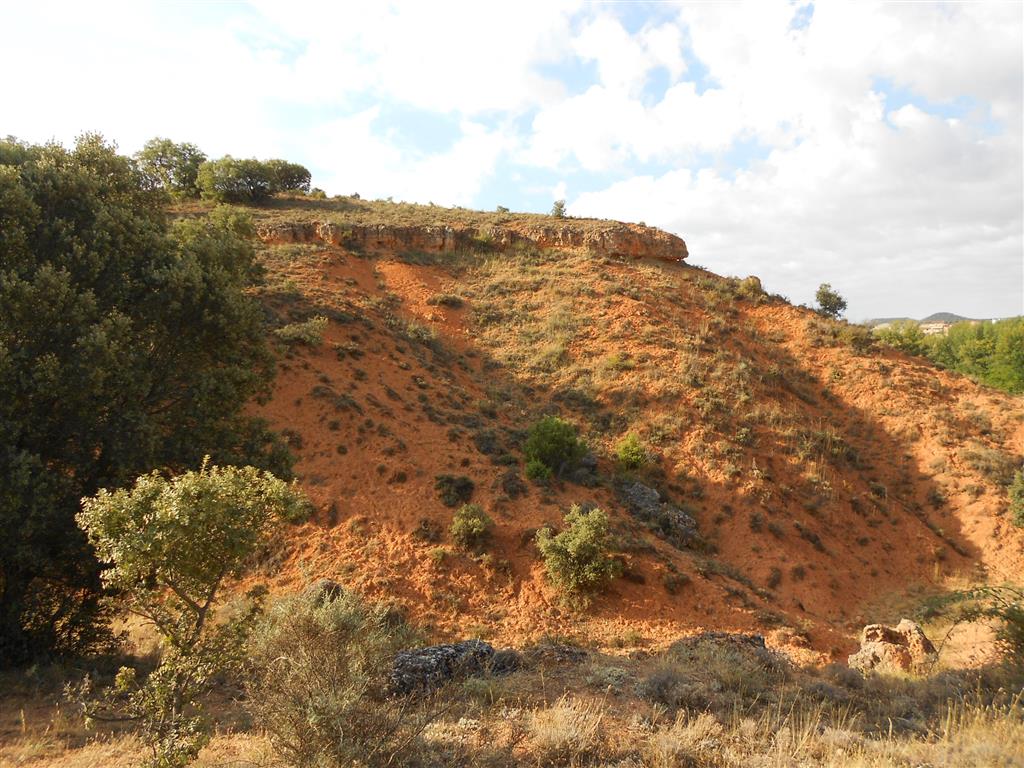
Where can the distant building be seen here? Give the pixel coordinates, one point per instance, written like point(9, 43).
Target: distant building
point(935, 329)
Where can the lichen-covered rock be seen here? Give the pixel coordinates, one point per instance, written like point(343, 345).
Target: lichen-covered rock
point(645, 503)
point(424, 669)
point(903, 648)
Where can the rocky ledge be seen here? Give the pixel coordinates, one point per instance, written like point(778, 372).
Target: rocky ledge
point(613, 239)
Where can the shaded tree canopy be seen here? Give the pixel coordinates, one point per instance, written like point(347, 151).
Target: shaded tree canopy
point(127, 343)
point(174, 167)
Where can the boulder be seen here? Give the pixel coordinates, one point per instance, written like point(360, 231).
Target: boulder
point(424, 669)
point(903, 648)
point(646, 504)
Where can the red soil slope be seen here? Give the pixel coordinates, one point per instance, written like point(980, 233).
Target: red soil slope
point(825, 478)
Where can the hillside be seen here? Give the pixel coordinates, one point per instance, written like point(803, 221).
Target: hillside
point(826, 479)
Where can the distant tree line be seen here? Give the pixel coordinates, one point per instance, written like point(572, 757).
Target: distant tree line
point(991, 353)
point(185, 172)
point(128, 343)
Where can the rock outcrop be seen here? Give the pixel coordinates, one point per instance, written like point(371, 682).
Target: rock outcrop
point(672, 523)
point(903, 648)
point(425, 669)
point(611, 239)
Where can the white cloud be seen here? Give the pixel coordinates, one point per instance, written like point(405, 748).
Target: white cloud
point(354, 158)
point(910, 217)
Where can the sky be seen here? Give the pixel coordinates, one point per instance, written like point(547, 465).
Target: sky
point(873, 146)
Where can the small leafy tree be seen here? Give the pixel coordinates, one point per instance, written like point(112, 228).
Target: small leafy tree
point(471, 527)
point(1016, 492)
point(577, 559)
point(175, 167)
point(830, 303)
point(553, 442)
point(558, 209)
point(170, 546)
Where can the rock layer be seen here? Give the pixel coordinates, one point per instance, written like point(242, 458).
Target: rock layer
point(613, 239)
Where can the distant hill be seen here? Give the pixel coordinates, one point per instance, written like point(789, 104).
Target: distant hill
point(937, 317)
point(945, 317)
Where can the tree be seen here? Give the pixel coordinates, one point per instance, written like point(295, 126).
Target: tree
point(830, 303)
point(287, 177)
point(174, 167)
point(558, 209)
point(126, 344)
point(230, 180)
point(169, 546)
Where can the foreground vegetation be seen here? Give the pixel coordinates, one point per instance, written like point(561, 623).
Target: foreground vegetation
point(316, 694)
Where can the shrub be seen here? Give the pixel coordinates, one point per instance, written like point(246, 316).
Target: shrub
point(453, 490)
point(996, 466)
point(554, 443)
point(577, 559)
point(170, 544)
point(310, 332)
point(830, 303)
point(558, 209)
point(1017, 498)
point(630, 452)
point(319, 685)
point(538, 471)
point(471, 527)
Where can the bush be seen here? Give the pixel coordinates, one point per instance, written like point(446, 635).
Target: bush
point(471, 527)
point(1016, 492)
point(577, 559)
point(453, 490)
point(309, 332)
point(830, 303)
point(538, 471)
point(319, 682)
point(554, 443)
point(558, 209)
point(630, 452)
point(170, 544)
